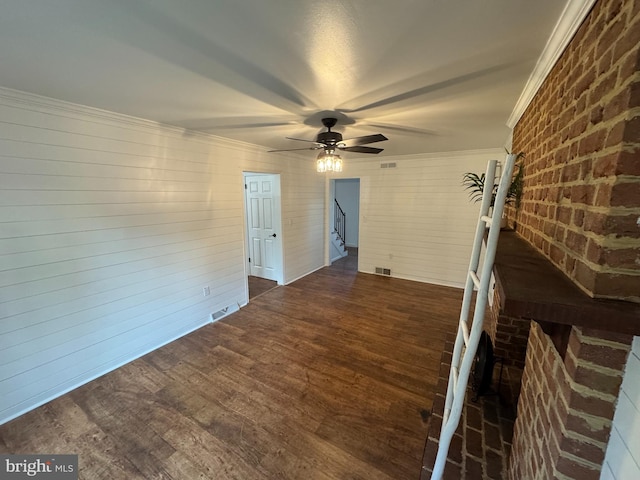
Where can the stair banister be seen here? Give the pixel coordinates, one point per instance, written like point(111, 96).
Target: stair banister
point(340, 222)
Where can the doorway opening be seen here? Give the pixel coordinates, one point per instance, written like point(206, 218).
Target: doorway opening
point(344, 223)
point(264, 263)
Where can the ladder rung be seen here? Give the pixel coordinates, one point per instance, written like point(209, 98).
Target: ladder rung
point(445, 415)
point(465, 332)
point(486, 220)
point(454, 377)
point(474, 277)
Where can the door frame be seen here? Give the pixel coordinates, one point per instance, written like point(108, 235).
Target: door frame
point(245, 225)
point(331, 194)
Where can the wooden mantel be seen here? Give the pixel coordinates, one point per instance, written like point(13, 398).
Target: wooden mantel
point(532, 287)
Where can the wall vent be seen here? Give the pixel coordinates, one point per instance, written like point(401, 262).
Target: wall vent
point(224, 312)
point(219, 314)
point(388, 165)
point(383, 271)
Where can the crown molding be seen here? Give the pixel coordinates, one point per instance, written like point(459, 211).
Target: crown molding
point(574, 13)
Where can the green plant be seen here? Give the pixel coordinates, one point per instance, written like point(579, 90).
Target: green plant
point(475, 184)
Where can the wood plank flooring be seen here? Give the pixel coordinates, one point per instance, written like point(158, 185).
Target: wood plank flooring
point(330, 377)
point(258, 286)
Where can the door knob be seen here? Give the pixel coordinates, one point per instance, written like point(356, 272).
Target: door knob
point(274, 235)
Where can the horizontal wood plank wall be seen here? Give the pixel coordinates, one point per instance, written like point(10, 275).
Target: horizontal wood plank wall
point(110, 227)
point(416, 219)
point(622, 459)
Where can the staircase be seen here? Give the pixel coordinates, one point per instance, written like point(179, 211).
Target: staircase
point(338, 249)
point(338, 236)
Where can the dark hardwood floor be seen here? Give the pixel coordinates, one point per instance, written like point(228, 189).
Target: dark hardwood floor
point(331, 377)
point(348, 263)
point(259, 286)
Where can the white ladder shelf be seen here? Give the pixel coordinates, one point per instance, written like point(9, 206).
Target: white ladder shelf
point(467, 339)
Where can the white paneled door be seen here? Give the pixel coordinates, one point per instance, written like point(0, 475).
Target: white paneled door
point(263, 226)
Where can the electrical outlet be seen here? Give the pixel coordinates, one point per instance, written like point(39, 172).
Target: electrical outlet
point(206, 291)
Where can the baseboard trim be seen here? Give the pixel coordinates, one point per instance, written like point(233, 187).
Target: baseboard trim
point(59, 390)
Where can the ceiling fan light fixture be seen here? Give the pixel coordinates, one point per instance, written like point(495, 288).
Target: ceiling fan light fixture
point(337, 163)
point(321, 165)
point(328, 162)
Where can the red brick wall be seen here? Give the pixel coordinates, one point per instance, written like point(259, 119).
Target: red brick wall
point(566, 406)
point(580, 208)
point(581, 137)
point(508, 334)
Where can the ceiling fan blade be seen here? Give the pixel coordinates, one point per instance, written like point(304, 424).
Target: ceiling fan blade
point(238, 122)
point(352, 142)
point(456, 81)
point(296, 149)
point(359, 149)
point(398, 128)
point(251, 125)
point(304, 140)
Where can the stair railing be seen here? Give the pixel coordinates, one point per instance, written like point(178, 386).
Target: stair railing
point(339, 222)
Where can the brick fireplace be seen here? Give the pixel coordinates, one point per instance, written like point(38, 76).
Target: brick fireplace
point(579, 211)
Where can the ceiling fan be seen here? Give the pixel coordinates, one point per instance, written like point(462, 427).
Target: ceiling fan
point(331, 141)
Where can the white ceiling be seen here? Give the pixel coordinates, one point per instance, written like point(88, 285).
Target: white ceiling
point(432, 75)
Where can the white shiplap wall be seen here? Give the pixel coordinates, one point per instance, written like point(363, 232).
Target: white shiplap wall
point(416, 219)
point(110, 227)
point(622, 460)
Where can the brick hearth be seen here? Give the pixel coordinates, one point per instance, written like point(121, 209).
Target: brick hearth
point(481, 446)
